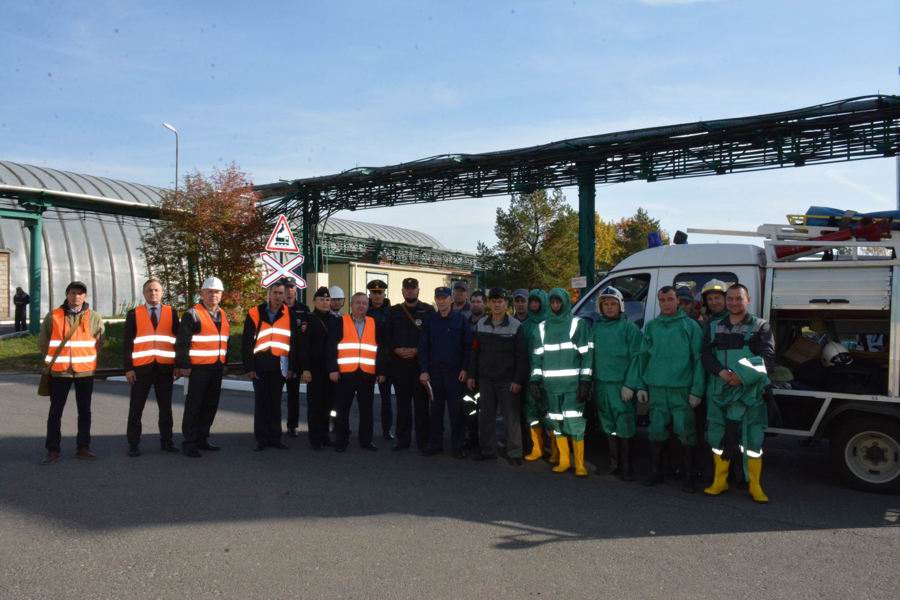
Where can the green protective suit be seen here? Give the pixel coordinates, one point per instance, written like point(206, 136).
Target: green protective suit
point(616, 344)
point(742, 404)
point(535, 408)
point(561, 358)
point(671, 371)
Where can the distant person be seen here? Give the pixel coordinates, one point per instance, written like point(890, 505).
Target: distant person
point(520, 304)
point(201, 352)
point(460, 299)
point(355, 363)
point(21, 300)
point(336, 299)
point(300, 320)
point(70, 339)
point(148, 356)
point(379, 305)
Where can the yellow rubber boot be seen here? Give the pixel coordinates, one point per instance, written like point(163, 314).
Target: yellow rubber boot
point(720, 483)
point(562, 443)
point(554, 450)
point(580, 471)
point(537, 444)
point(754, 467)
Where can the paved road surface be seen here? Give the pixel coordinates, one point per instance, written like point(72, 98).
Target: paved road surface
point(303, 524)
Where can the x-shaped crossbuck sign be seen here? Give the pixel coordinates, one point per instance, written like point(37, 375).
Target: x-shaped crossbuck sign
point(282, 270)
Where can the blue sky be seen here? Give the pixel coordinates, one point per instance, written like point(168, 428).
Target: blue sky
point(296, 89)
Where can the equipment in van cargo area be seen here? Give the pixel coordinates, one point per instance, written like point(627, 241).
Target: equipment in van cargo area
point(802, 350)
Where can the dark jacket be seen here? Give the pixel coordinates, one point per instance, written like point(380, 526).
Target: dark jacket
point(761, 343)
point(403, 332)
point(21, 300)
point(499, 352)
point(336, 334)
point(314, 350)
point(445, 343)
point(265, 361)
point(128, 342)
point(190, 324)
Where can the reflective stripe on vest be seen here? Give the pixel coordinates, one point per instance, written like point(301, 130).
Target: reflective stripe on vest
point(80, 352)
point(153, 345)
point(568, 345)
point(210, 345)
point(354, 353)
point(273, 337)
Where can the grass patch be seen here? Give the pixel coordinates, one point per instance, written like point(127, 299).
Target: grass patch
point(22, 354)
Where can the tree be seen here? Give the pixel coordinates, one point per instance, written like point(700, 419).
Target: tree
point(632, 232)
point(212, 227)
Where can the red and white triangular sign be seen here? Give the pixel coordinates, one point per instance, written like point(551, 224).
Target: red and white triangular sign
point(282, 240)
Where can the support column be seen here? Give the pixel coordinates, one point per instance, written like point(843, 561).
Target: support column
point(310, 225)
point(587, 235)
point(34, 280)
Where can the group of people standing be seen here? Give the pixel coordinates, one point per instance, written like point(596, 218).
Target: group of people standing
point(537, 366)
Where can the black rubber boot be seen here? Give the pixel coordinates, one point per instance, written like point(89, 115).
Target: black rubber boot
point(656, 460)
point(688, 484)
point(613, 468)
point(625, 471)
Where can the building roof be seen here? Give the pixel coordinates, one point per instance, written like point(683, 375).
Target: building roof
point(384, 233)
point(21, 175)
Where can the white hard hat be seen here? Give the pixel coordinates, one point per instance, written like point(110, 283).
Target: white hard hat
point(611, 292)
point(213, 283)
point(714, 285)
point(835, 353)
point(336, 292)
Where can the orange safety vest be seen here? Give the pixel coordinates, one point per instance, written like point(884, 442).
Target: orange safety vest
point(210, 345)
point(80, 352)
point(274, 337)
point(153, 345)
point(354, 353)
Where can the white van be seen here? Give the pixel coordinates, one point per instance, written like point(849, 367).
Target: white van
point(812, 292)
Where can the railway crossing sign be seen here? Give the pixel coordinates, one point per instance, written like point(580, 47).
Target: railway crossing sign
point(279, 270)
point(282, 240)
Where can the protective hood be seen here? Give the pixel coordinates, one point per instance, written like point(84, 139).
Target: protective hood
point(566, 311)
point(539, 316)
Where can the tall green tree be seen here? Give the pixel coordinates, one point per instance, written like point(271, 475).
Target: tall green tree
point(211, 227)
point(633, 231)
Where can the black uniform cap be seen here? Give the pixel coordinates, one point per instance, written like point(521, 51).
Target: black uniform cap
point(376, 285)
point(497, 292)
point(322, 292)
point(441, 291)
point(410, 282)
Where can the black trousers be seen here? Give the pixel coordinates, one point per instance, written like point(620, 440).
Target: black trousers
point(411, 396)
point(293, 402)
point(59, 392)
point(159, 378)
point(267, 407)
point(387, 413)
point(21, 323)
point(200, 406)
point(319, 402)
point(361, 386)
point(447, 391)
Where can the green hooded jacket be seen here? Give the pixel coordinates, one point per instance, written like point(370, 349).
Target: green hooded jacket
point(670, 353)
point(534, 318)
point(616, 344)
point(561, 355)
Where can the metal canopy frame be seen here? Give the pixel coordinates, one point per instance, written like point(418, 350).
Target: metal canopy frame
point(852, 129)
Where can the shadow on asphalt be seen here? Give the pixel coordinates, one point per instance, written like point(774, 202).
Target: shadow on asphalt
point(530, 505)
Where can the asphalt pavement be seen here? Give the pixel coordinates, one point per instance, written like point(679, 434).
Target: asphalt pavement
point(305, 524)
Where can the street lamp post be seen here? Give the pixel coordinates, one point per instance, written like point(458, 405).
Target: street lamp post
point(175, 131)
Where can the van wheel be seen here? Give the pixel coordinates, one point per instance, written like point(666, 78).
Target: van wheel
point(866, 453)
